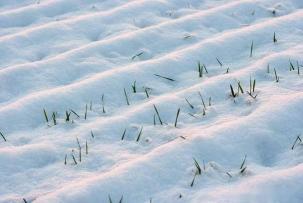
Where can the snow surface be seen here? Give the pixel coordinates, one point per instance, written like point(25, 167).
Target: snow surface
point(60, 55)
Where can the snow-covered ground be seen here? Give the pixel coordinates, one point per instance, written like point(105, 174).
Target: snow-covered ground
point(107, 73)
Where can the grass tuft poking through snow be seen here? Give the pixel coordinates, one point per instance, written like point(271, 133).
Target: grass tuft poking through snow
point(1, 134)
point(251, 49)
point(158, 115)
point(177, 116)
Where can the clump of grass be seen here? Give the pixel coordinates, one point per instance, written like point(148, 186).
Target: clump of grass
point(204, 66)
point(240, 89)
point(110, 199)
point(198, 172)
point(193, 181)
point(177, 116)
point(243, 162)
point(121, 199)
point(24, 200)
point(74, 159)
point(184, 138)
point(252, 86)
point(267, 68)
point(137, 55)
point(202, 100)
point(134, 87)
point(67, 116)
point(276, 76)
point(298, 67)
point(251, 48)
point(3, 137)
point(146, 92)
point(92, 134)
point(123, 135)
point(298, 140)
point(75, 113)
point(243, 170)
point(209, 101)
point(65, 159)
point(157, 112)
point(232, 92)
point(126, 97)
point(139, 135)
point(86, 148)
point(275, 38)
point(54, 118)
point(85, 113)
point(243, 167)
point(291, 66)
point(189, 104)
point(219, 62)
point(154, 118)
point(203, 112)
point(45, 115)
point(227, 70)
point(167, 78)
point(203, 103)
point(103, 104)
point(200, 70)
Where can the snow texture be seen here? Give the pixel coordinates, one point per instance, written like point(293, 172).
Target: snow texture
point(108, 73)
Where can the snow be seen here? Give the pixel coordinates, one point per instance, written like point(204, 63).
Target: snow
point(63, 55)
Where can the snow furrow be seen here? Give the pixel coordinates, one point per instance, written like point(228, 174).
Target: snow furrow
point(154, 169)
point(13, 75)
point(100, 80)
